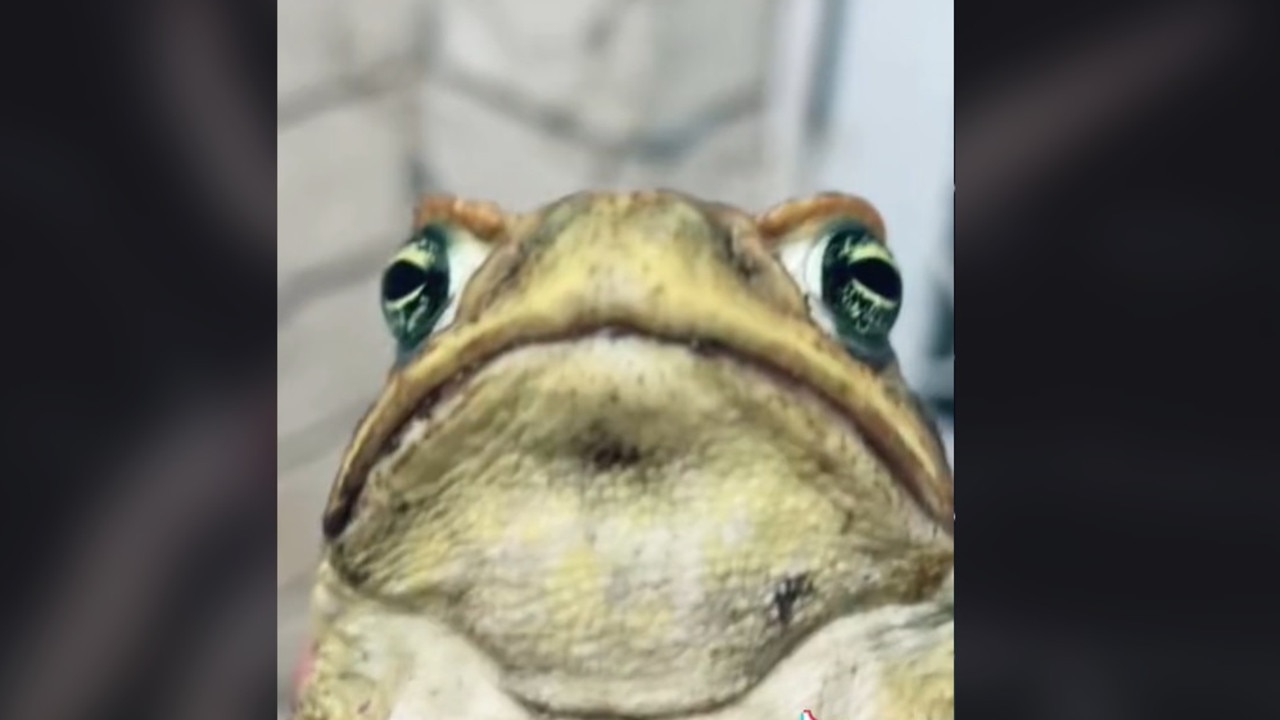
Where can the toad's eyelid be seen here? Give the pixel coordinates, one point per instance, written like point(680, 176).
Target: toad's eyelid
point(784, 219)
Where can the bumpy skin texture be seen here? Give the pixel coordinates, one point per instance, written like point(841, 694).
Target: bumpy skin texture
point(634, 477)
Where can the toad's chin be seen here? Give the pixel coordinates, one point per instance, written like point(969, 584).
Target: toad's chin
point(617, 516)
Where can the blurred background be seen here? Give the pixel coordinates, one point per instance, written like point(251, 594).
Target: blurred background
point(1123, 501)
point(744, 101)
point(1122, 574)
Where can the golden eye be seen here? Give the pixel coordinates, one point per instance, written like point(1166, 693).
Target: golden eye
point(415, 287)
point(860, 284)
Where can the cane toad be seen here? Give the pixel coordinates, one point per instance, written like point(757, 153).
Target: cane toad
point(639, 455)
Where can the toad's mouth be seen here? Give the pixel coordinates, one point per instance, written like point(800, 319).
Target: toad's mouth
point(614, 397)
point(854, 402)
point(607, 377)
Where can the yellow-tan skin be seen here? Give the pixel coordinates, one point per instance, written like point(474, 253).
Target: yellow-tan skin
point(584, 495)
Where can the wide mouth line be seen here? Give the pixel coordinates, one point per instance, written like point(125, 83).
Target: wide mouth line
point(459, 379)
point(435, 396)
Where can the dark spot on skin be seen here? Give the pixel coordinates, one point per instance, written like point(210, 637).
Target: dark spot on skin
point(748, 267)
point(721, 236)
point(825, 466)
point(847, 524)
point(787, 594)
point(611, 454)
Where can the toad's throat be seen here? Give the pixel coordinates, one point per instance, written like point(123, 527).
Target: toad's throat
point(616, 517)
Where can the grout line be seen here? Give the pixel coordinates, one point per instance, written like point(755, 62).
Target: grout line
point(380, 79)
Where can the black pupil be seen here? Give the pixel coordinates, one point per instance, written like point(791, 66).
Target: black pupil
point(401, 279)
point(880, 277)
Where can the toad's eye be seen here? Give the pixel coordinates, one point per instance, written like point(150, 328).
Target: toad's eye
point(860, 285)
point(421, 284)
point(415, 287)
